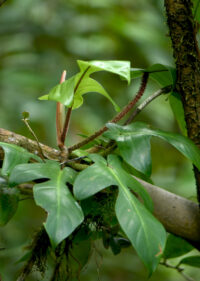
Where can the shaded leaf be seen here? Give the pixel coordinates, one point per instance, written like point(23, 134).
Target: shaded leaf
point(15, 155)
point(64, 213)
point(145, 233)
point(192, 261)
point(175, 247)
point(177, 108)
point(9, 198)
point(163, 74)
point(125, 137)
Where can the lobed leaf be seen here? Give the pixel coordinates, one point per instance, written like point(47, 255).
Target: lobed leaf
point(71, 91)
point(15, 155)
point(64, 213)
point(146, 234)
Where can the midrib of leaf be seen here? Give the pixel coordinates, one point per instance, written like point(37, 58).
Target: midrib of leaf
point(80, 79)
point(130, 200)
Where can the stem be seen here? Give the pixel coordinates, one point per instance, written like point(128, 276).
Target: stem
point(60, 109)
point(178, 269)
point(118, 117)
point(37, 141)
point(161, 91)
point(68, 116)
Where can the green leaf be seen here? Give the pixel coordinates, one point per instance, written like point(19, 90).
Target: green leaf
point(64, 213)
point(15, 155)
point(63, 93)
point(9, 198)
point(175, 247)
point(145, 233)
point(192, 261)
point(177, 108)
point(125, 137)
point(71, 91)
point(121, 68)
point(163, 74)
point(196, 10)
point(90, 85)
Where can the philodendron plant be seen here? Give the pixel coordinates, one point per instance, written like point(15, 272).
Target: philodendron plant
point(89, 190)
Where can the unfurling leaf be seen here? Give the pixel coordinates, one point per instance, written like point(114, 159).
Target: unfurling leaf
point(71, 91)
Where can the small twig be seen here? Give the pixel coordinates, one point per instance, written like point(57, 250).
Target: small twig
point(161, 91)
point(178, 269)
point(34, 135)
point(118, 117)
point(60, 110)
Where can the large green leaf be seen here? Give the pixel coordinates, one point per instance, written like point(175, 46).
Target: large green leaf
point(9, 198)
point(64, 213)
point(177, 108)
point(175, 247)
point(71, 91)
point(15, 155)
point(145, 233)
point(133, 152)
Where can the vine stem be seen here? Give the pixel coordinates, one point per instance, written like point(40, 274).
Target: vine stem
point(178, 269)
point(68, 115)
point(60, 110)
point(118, 117)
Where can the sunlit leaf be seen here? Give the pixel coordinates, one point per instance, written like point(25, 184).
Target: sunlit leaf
point(15, 155)
point(64, 213)
point(71, 91)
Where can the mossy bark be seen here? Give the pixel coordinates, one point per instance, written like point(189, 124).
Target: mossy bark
point(182, 29)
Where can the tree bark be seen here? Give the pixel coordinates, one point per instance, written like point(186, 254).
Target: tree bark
point(182, 29)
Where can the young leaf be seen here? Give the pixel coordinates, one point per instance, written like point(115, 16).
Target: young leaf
point(121, 68)
point(125, 137)
point(64, 213)
point(15, 155)
point(145, 233)
point(177, 108)
point(175, 247)
point(71, 91)
point(192, 261)
point(9, 198)
point(63, 93)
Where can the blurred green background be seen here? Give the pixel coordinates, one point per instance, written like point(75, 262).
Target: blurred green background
point(38, 40)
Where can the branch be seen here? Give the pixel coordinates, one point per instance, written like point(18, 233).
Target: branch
point(118, 117)
point(182, 30)
point(179, 216)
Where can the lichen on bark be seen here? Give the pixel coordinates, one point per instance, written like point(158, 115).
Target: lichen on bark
point(182, 29)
